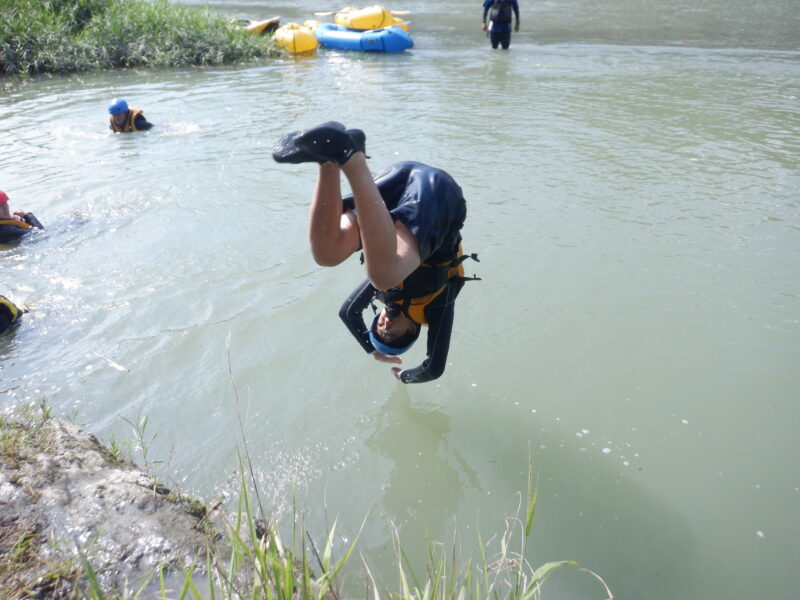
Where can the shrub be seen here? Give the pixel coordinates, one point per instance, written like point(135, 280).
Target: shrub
point(65, 36)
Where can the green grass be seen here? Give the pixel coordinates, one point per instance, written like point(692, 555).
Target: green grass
point(261, 566)
point(68, 36)
point(249, 558)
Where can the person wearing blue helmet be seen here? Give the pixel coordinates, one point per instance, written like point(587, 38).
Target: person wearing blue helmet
point(406, 222)
point(124, 119)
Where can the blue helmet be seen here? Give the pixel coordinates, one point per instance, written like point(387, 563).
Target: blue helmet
point(117, 107)
point(399, 347)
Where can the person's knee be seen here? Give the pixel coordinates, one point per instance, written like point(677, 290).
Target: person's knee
point(324, 256)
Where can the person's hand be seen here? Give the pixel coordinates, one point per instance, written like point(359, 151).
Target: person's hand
point(396, 371)
point(516, 27)
point(19, 215)
point(483, 26)
point(385, 358)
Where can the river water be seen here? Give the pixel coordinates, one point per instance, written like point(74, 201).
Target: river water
point(632, 173)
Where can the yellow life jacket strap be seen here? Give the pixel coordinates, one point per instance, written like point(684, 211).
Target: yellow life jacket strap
point(415, 307)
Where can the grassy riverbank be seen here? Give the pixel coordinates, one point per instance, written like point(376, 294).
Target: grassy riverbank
point(242, 557)
point(68, 36)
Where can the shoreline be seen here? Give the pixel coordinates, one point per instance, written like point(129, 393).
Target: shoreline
point(68, 502)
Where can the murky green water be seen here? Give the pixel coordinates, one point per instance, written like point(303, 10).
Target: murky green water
point(632, 173)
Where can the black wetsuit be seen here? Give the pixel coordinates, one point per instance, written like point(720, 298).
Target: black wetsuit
point(430, 203)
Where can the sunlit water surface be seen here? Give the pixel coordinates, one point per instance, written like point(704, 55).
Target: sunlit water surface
point(632, 175)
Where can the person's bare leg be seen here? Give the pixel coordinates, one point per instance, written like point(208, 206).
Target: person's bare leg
point(332, 236)
point(391, 252)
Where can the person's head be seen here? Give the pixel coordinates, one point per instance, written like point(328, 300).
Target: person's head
point(5, 212)
point(393, 332)
point(118, 109)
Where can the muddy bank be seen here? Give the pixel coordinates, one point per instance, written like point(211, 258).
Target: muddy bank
point(64, 497)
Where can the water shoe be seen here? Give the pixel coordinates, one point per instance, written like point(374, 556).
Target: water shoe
point(331, 143)
point(360, 138)
point(286, 149)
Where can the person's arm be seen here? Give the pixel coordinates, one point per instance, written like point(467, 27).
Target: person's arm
point(142, 124)
point(351, 313)
point(485, 12)
point(30, 219)
point(515, 6)
point(440, 326)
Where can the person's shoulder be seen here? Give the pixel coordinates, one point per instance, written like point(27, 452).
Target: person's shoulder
point(142, 122)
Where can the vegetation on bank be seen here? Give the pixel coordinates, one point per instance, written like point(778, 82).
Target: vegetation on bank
point(254, 561)
point(68, 36)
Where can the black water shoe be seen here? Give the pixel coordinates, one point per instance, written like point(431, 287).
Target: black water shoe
point(331, 143)
point(360, 138)
point(286, 149)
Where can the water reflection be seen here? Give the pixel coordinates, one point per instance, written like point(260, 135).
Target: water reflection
point(426, 485)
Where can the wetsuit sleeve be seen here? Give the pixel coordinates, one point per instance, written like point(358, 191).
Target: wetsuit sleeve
point(440, 325)
point(142, 124)
point(515, 6)
point(352, 311)
point(31, 220)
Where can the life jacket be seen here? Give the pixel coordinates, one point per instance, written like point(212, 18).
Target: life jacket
point(130, 122)
point(500, 12)
point(419, 289)
point(9, 313)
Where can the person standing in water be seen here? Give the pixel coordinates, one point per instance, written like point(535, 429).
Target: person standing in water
point(499, 21)
point(407, 223)
point(123, 119)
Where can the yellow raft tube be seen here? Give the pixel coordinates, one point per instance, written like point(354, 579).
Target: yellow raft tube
point(295, 38)
point(257, 27)
point(372, 17)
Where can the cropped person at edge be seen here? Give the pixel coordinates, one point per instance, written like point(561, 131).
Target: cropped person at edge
point(5, 211)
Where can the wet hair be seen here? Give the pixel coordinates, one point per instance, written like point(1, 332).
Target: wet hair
point(399, 345)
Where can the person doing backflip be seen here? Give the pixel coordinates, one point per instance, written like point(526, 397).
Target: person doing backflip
point(407, 223)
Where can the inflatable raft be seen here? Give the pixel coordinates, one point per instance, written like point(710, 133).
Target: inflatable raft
point(295, 38)
point(13, 231)
point(386, 39)
point(259, 27)
point(372, 17)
